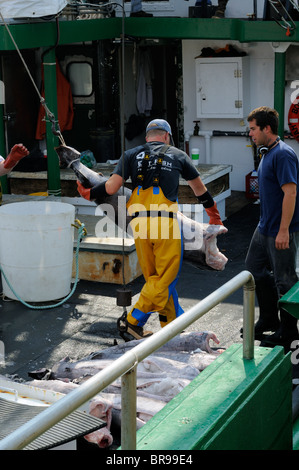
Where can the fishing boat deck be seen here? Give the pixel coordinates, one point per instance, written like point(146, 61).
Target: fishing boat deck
point(33, 338)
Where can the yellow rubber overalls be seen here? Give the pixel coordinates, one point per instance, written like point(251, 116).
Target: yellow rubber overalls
point(159, 249)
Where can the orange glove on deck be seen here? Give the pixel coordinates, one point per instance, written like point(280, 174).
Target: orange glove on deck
point(16, 154)
point(214, 215)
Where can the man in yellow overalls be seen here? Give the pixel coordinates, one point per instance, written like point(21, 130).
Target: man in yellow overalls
point(155, 169)
point(16, 154)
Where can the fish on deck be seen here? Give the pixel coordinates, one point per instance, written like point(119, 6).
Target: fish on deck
point(160, 377)
point(199, 240)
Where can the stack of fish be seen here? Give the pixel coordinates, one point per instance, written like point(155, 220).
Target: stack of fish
point(160, 377)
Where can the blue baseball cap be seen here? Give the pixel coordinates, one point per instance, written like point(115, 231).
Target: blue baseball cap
point(159, 124)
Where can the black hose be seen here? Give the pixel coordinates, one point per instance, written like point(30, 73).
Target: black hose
point(230, 133)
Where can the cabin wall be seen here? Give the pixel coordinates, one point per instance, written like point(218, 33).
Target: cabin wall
point(236, 151)
point(180, 8)
point(174, 96)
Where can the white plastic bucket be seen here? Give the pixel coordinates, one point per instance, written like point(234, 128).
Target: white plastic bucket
point(36, 249)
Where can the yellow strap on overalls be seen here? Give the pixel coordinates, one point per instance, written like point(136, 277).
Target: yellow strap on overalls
point(159, 249)
point(145, 201)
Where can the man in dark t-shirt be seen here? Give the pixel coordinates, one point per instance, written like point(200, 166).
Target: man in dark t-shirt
point(271, 257)
point(175, 163)
point(155, 169)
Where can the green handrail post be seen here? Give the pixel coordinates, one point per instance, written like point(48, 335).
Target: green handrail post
point(279, 83)
point(50, 84)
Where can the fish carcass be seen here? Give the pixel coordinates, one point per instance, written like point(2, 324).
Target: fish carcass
point(200, 240)
point(160, 377)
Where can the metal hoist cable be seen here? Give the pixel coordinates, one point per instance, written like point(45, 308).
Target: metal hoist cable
point(56, 130)
point(124, 295)
point(122, 123)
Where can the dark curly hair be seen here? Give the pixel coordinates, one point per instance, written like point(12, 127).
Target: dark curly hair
point(265, 116)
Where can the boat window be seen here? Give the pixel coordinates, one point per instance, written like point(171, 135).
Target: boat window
point(80, 77)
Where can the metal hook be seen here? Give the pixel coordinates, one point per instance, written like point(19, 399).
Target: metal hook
point(286, 25)
point(54, 124)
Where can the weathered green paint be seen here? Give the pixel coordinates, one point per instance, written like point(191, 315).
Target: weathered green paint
point(279, 86)
point(234, 404)
point(49, 64)
point(44, 34)
point(290, 301)
point(266, 31)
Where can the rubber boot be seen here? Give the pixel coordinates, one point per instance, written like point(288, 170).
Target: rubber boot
point(130, 332)
point(220, 11)
point(137, 331)
point(285, 334)
point(267, 298)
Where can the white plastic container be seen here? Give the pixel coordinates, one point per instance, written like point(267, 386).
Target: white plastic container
point(36, 249)
point(30, 8)
point(195, 156)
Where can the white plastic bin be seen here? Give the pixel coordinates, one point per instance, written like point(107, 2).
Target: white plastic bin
point(36, 249)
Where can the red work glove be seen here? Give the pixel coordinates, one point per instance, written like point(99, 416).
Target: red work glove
point(84, 192)
point(214, 215)
point(18, 152)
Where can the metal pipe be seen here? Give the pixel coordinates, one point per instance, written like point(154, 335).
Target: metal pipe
point(248, 319)
point(207, 135)
point(66, 405)
point(128, 409)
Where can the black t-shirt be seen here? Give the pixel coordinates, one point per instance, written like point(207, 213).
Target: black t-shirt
point(175, 163)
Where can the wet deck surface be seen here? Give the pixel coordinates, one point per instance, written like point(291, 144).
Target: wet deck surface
point(35, 338)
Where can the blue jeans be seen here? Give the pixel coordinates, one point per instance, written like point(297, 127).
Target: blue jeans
point(274, 272)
